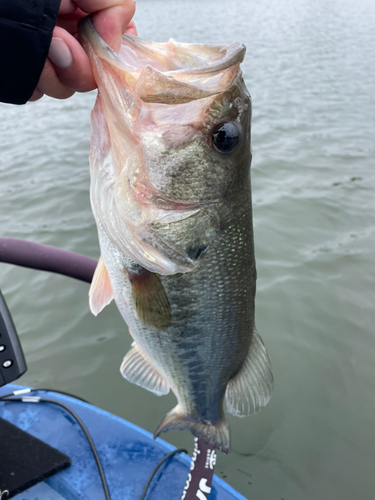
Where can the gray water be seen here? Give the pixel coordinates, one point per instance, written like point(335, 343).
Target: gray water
point(310, 68)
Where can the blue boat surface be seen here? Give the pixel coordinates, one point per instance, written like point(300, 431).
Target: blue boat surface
point(128, 453)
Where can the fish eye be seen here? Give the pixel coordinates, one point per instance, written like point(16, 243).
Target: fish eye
point(225, 137)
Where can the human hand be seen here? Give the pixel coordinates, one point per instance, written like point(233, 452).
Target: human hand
point(67, 68)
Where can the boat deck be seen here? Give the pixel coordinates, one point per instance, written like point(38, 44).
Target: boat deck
point(128, 454)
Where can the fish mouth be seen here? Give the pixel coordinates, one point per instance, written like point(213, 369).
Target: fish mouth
point(166, 73)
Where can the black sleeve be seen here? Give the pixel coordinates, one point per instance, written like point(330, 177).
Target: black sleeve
point(25, 35)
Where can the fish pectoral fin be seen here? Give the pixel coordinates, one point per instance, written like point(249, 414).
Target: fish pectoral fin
point(251, 389)
point(100, 294)
point(150, 299)
point(137, 369)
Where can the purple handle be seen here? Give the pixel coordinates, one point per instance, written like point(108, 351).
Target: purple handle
point(46, 258)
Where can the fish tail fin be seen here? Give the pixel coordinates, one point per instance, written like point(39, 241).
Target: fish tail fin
point(217, 435)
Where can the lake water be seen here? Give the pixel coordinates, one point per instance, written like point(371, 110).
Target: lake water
point(310, 68)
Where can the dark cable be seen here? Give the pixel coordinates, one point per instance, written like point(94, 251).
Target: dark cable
point(6, 396)
point(45, 390)
point(164, 459)
point(61, 392)
point(84, 429)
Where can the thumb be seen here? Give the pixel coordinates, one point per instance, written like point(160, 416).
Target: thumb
point(70, 61)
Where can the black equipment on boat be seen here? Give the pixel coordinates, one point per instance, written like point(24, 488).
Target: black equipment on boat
point(12, 360)
point(26, 460)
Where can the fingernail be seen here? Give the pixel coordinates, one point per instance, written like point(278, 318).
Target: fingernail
point(59, 53)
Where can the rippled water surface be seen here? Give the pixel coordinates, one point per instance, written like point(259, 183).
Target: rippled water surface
point(310, 68)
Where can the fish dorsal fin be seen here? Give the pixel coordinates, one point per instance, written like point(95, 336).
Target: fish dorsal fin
point(251, 389)
point(137, 369)
point(100, 294)
point(150, 299)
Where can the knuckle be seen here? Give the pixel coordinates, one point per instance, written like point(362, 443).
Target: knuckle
point(128, 6)
point(62, 94)
point(48, 72)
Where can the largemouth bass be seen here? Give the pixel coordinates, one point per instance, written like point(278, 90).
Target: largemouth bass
point(170, 191)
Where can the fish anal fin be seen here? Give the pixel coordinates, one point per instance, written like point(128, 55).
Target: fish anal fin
point(137, 369)
point(100, 294)
point(150, 299)
point(251, 389)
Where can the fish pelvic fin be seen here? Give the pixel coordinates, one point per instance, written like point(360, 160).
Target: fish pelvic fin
point(251, 389)
point(100, 294)
point(216, 435)
point(137, 369)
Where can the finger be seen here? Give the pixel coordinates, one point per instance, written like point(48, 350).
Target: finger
point(70, 61)
point(131, 29)
point(67, 6)
point(110, 17)
point(50, 84)
point(112, 23)
point(69, 21)
point(36, 95)
point(91, 6)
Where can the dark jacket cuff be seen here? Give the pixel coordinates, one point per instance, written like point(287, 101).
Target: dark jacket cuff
point(25, 37)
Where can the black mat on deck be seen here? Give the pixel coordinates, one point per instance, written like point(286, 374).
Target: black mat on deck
point(25, 460)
